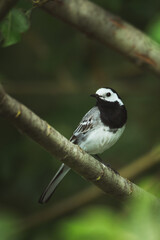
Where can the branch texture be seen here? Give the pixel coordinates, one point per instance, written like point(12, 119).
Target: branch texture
point(75, 201)
point(109, 29)
point(85, 165)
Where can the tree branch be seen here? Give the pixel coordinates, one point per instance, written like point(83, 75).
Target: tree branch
point(109, 29)
point(5, 6)
point(88, 195)
point(85, 165)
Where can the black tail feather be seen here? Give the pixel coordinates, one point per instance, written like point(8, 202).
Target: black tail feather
point(46, 195)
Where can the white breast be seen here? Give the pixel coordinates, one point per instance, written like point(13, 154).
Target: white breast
point(100, 139)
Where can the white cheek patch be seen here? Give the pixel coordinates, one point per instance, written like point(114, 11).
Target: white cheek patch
point(113, 98)
point(101, 91)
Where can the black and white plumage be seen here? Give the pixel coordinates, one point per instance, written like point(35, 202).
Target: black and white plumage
point(98, 130)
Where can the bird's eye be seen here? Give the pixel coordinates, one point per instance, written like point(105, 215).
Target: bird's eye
point(108, 94)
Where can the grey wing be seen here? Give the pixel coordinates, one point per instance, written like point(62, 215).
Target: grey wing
point(88, 122)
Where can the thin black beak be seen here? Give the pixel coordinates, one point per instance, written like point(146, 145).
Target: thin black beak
point(94, 95)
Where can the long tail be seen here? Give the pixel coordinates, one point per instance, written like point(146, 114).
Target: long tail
point(63, 170)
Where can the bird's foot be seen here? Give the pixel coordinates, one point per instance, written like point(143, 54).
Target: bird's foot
point(106, 164)
point(115, 171)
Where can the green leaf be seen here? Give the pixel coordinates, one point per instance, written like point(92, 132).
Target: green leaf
point(9, 226)
point(153, 29)
point(13, 26)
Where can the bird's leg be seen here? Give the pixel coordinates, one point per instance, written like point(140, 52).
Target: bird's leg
point(96, 156)
point(115, 171)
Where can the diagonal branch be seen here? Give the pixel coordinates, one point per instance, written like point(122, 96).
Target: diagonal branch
point(88, 195)
point(85, 165)
point(109, 29)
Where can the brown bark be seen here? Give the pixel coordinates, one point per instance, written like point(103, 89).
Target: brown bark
point(51, 140)
point(108, 29)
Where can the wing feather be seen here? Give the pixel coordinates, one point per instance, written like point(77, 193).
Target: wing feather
point(86, 124)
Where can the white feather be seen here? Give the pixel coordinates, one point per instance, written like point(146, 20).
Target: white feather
point(102, 92)
point(100, 139)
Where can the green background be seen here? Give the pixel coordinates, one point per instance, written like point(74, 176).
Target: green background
point(53, 70)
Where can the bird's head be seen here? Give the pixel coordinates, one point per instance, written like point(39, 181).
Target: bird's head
point(107, 95)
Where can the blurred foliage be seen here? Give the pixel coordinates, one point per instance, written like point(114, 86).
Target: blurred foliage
point(15, 23)
point(139, 220)
point(134, 220)
point(53, 70)
point(153, 28)
point(8, 225)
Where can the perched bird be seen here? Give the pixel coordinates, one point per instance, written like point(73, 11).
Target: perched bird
point(98, 130)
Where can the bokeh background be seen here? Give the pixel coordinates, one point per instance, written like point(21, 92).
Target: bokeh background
point(53, 70)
